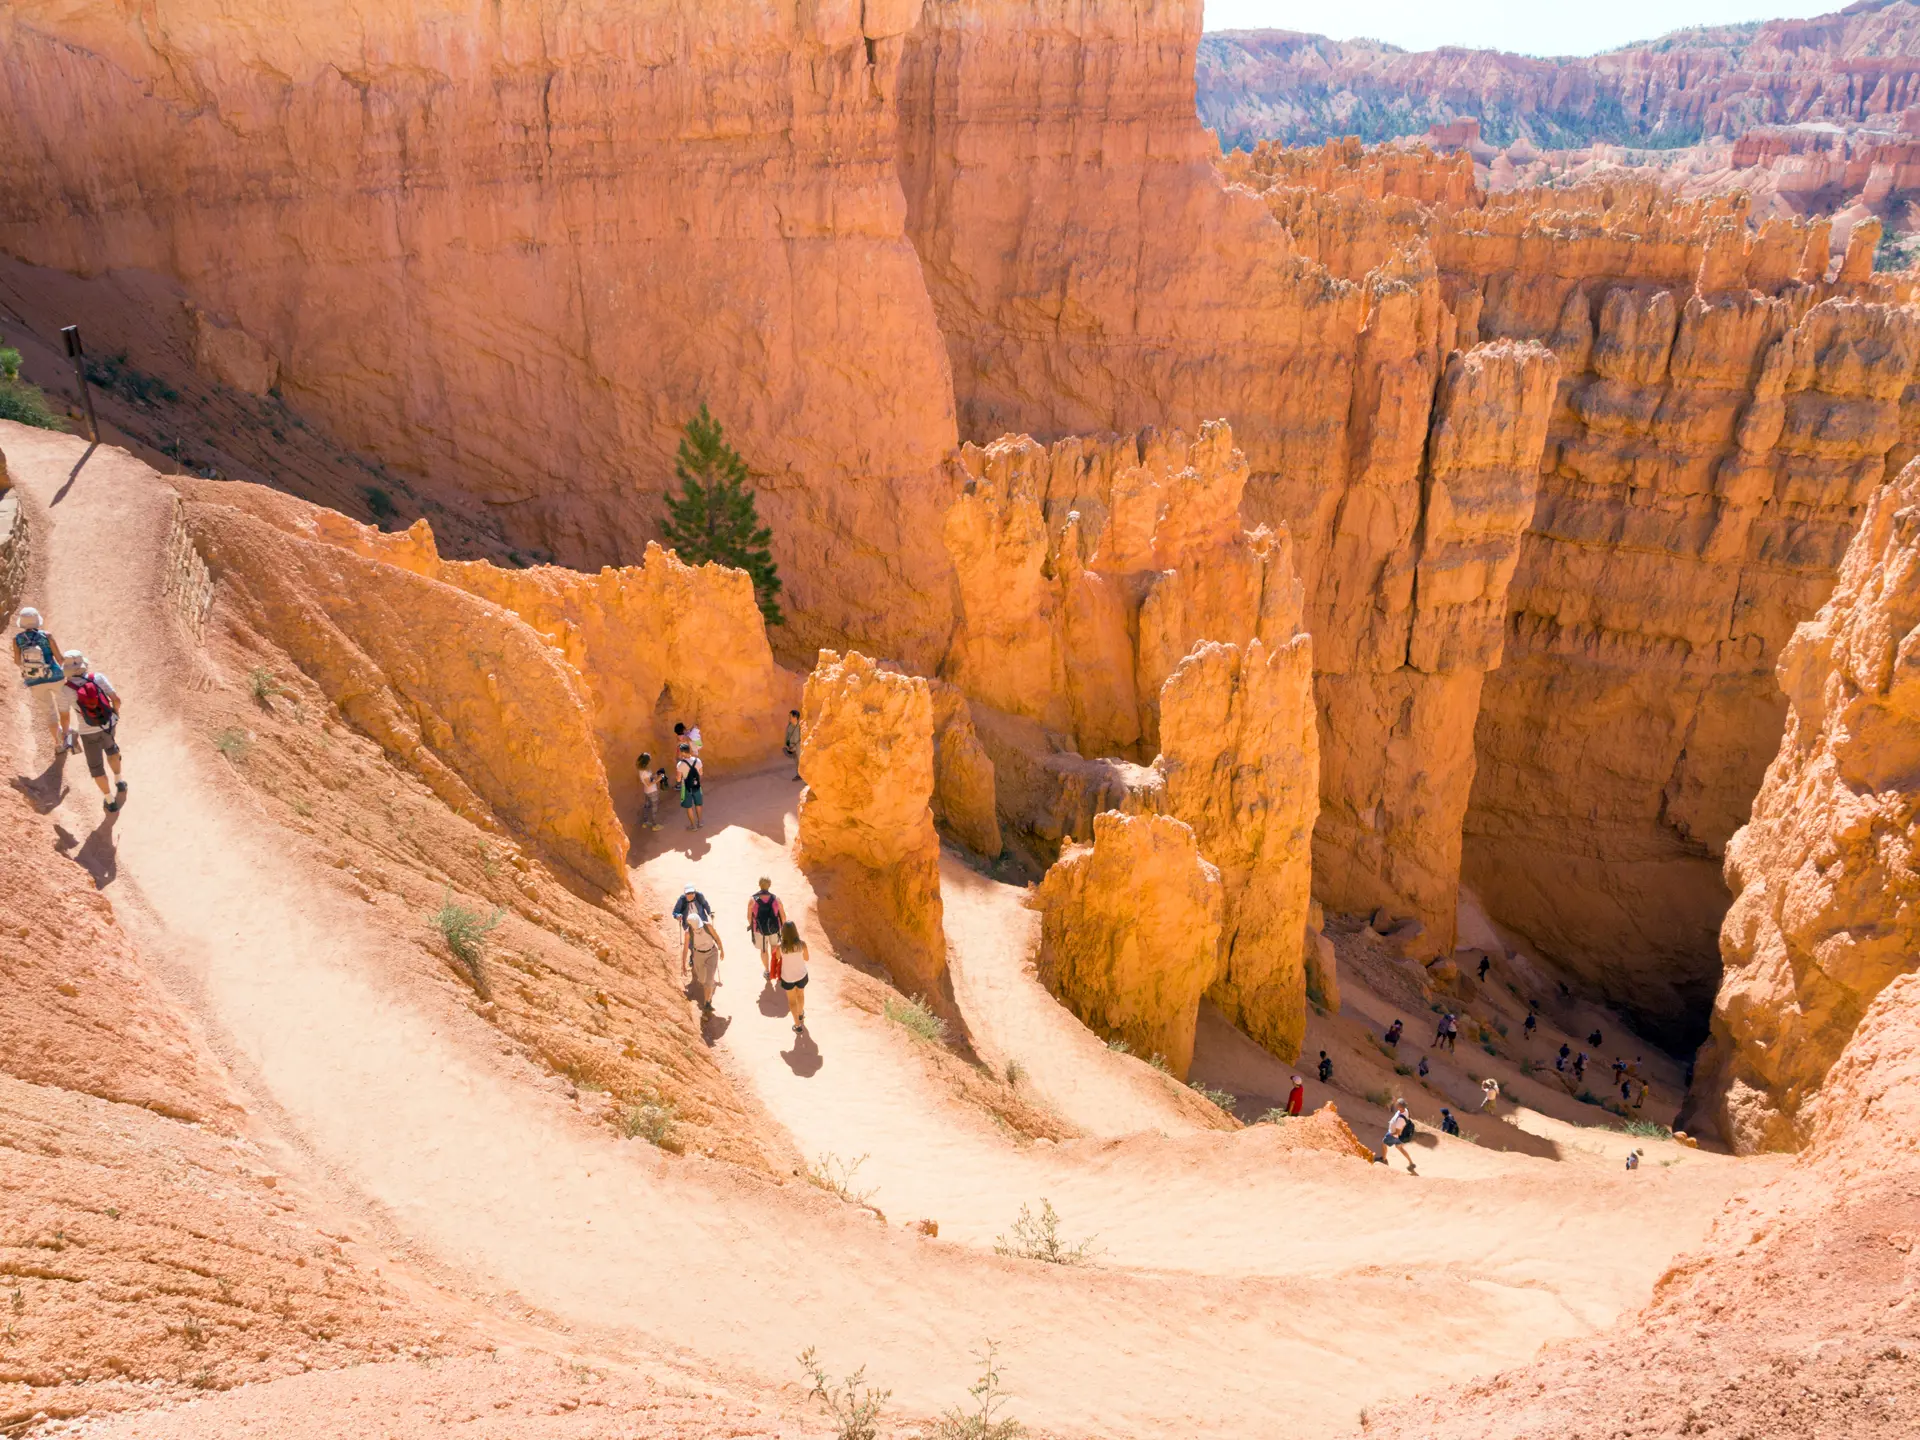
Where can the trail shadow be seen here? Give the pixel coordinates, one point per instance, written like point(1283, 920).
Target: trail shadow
point(100, 857)
point(73, 474)
point(714, 1027)
point(690, 843)
point(804, 1059)
point(773, 1001)
point(46, 790)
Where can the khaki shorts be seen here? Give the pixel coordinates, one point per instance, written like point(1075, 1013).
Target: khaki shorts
point(52, 702)
point(706, 965)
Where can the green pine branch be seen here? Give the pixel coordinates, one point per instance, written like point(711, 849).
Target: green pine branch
point(714, 518)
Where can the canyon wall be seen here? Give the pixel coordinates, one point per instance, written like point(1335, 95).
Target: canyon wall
point(1826, 875)
point(1857, 65)
point(510, 249)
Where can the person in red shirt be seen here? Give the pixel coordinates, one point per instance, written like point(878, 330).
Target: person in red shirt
point(1297, 1097)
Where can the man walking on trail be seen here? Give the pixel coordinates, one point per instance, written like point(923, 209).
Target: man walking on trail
point(687, 772)
point(1399, 1136)
point(96, 706)
point(1448, 1125)
point(1392, 1037)
point(765, 916)
point(792, 746)
point(36, 655)
point(1326, 1068)
point(1297, 1097)
point(700, 948)
point(692, 908)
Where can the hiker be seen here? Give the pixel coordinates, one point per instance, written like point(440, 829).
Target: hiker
point(687, 771)
point(1439, 1032)
point(649, 791)
point(692, 902)
point(793, 741)
point(1531, 1024)
point(1399, 1135)
point(790, 970)
point(1448, 1125)
point(1423, 1067)
point(1486, 964)
point(1326, 1069)
point(1450, 1028)
point(765, 916)
point(1297, 1097)
point(1393, 1033)
point(36, 654)
point(700, 948)
point(1489, 1092)
point(1560, 1060)
point(1633, 1159)
point(1594, 1038)
point(1580, 1066)
point(688, 736)
point(96, 707)
point(1619, 1069)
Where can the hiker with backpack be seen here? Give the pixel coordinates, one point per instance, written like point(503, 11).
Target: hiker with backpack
point(36, 654)
point(96, 706)
point(765, 916)
point(1326, 1068)
point(1392, 1037)
point(687, 772)
point(692, 908)
point(1448, 1125)
point(700, 948)
point(792, 746)
point(790, 973)
point(1400, 1132)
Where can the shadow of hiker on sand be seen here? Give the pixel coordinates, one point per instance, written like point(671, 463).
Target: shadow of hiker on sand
point(46, 790)
point(99, 856)
point(773, 1001)
point(804, 1059)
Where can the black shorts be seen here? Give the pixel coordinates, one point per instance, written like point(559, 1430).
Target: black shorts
point(799, 984)
point(98, 744)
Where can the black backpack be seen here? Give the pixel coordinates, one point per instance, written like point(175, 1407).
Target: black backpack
point(1406, 1134)
point(766, 915)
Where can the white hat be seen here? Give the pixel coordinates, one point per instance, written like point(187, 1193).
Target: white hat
point(29, 617)
point(73, 660)
point(1298, 1081)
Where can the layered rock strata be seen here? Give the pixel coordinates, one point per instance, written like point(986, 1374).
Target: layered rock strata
point(867, 839)
point(1130, 928)
point(965, 796)
point(1826, 874)
point(511, 255)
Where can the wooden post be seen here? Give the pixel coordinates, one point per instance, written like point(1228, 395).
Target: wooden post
point(71, 334)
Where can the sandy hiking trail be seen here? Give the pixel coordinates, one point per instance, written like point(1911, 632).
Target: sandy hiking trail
point(1216, 1262)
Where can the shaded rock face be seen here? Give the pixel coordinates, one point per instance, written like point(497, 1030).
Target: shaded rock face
point(867, 840)
point(965, 797)
point(1826, 875)
point(511, 252)
point(1240, 754)
point(1838, 69)
point(1130, 933)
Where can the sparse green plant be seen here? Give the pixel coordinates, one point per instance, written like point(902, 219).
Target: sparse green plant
point(193, 1332)
point(1119, 1047)
point(1159, 1062)
point(1403, 1069)
point(1587, 1097)
point(854, 1405)
point(379, 505)
point(262, 683)
point(917, 1016)
point(1501, 1026)
point(130, 383)
point(1488, 1047)
point(232, 742)
point(1382, 1098)
point(1016, 1072)
point(464, 929)
point(836, 1177)
point(1037, 1237)
point(20, 401)
point(1650, 1129)
point(714, 518)
point(655, 1121)
point(113, 1212)
point(1223, 1098)
point(1273, 1117)
point(19, 1300)
point(982, 1420)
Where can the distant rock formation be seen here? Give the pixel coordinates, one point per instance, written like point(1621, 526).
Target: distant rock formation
point(867, 840)
point(1130, 933)
point(1826, 875)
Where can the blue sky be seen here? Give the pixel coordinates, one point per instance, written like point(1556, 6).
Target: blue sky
point(1530, 27)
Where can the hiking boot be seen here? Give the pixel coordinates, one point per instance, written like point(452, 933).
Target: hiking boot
point(110, 805)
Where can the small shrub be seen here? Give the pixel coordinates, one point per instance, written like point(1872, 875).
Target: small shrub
point(854, 1405)
point(1119, 1047)
point(379, 505)
point(1382, 1098)
point(1273, 1117)
point(1587, 1097)
point(1223, 1098)
point(1488, 1047)
point(261, 682)
point(232, 742)
point(1037, 1237)
point(1016, 1072)
point(655, 1121)
point(20, 401)
point(916, 1016)
point(465, 930)
point(1403, 1069)
point(1159, 1062)
point(835, 1176)
point(131, 384)
point(1501, 1026)
point(1648, 1128)
point(980, 1421)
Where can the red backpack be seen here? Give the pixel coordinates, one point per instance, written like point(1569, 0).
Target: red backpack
point(95, 708)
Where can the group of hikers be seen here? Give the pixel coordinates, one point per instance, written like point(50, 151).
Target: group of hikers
point(783, 954)
point(688, 773)
point(79, 705)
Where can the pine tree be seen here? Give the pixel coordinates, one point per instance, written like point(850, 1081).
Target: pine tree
point(713, 517)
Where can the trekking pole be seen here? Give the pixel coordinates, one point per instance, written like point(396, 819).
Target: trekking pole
point(71, 334)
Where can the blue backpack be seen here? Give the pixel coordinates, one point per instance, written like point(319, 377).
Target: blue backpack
point(46, 669)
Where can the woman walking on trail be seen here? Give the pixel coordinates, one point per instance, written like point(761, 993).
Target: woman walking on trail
point(791, 971)
point(701, 949)
point(649, 792)
point(687, 771)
